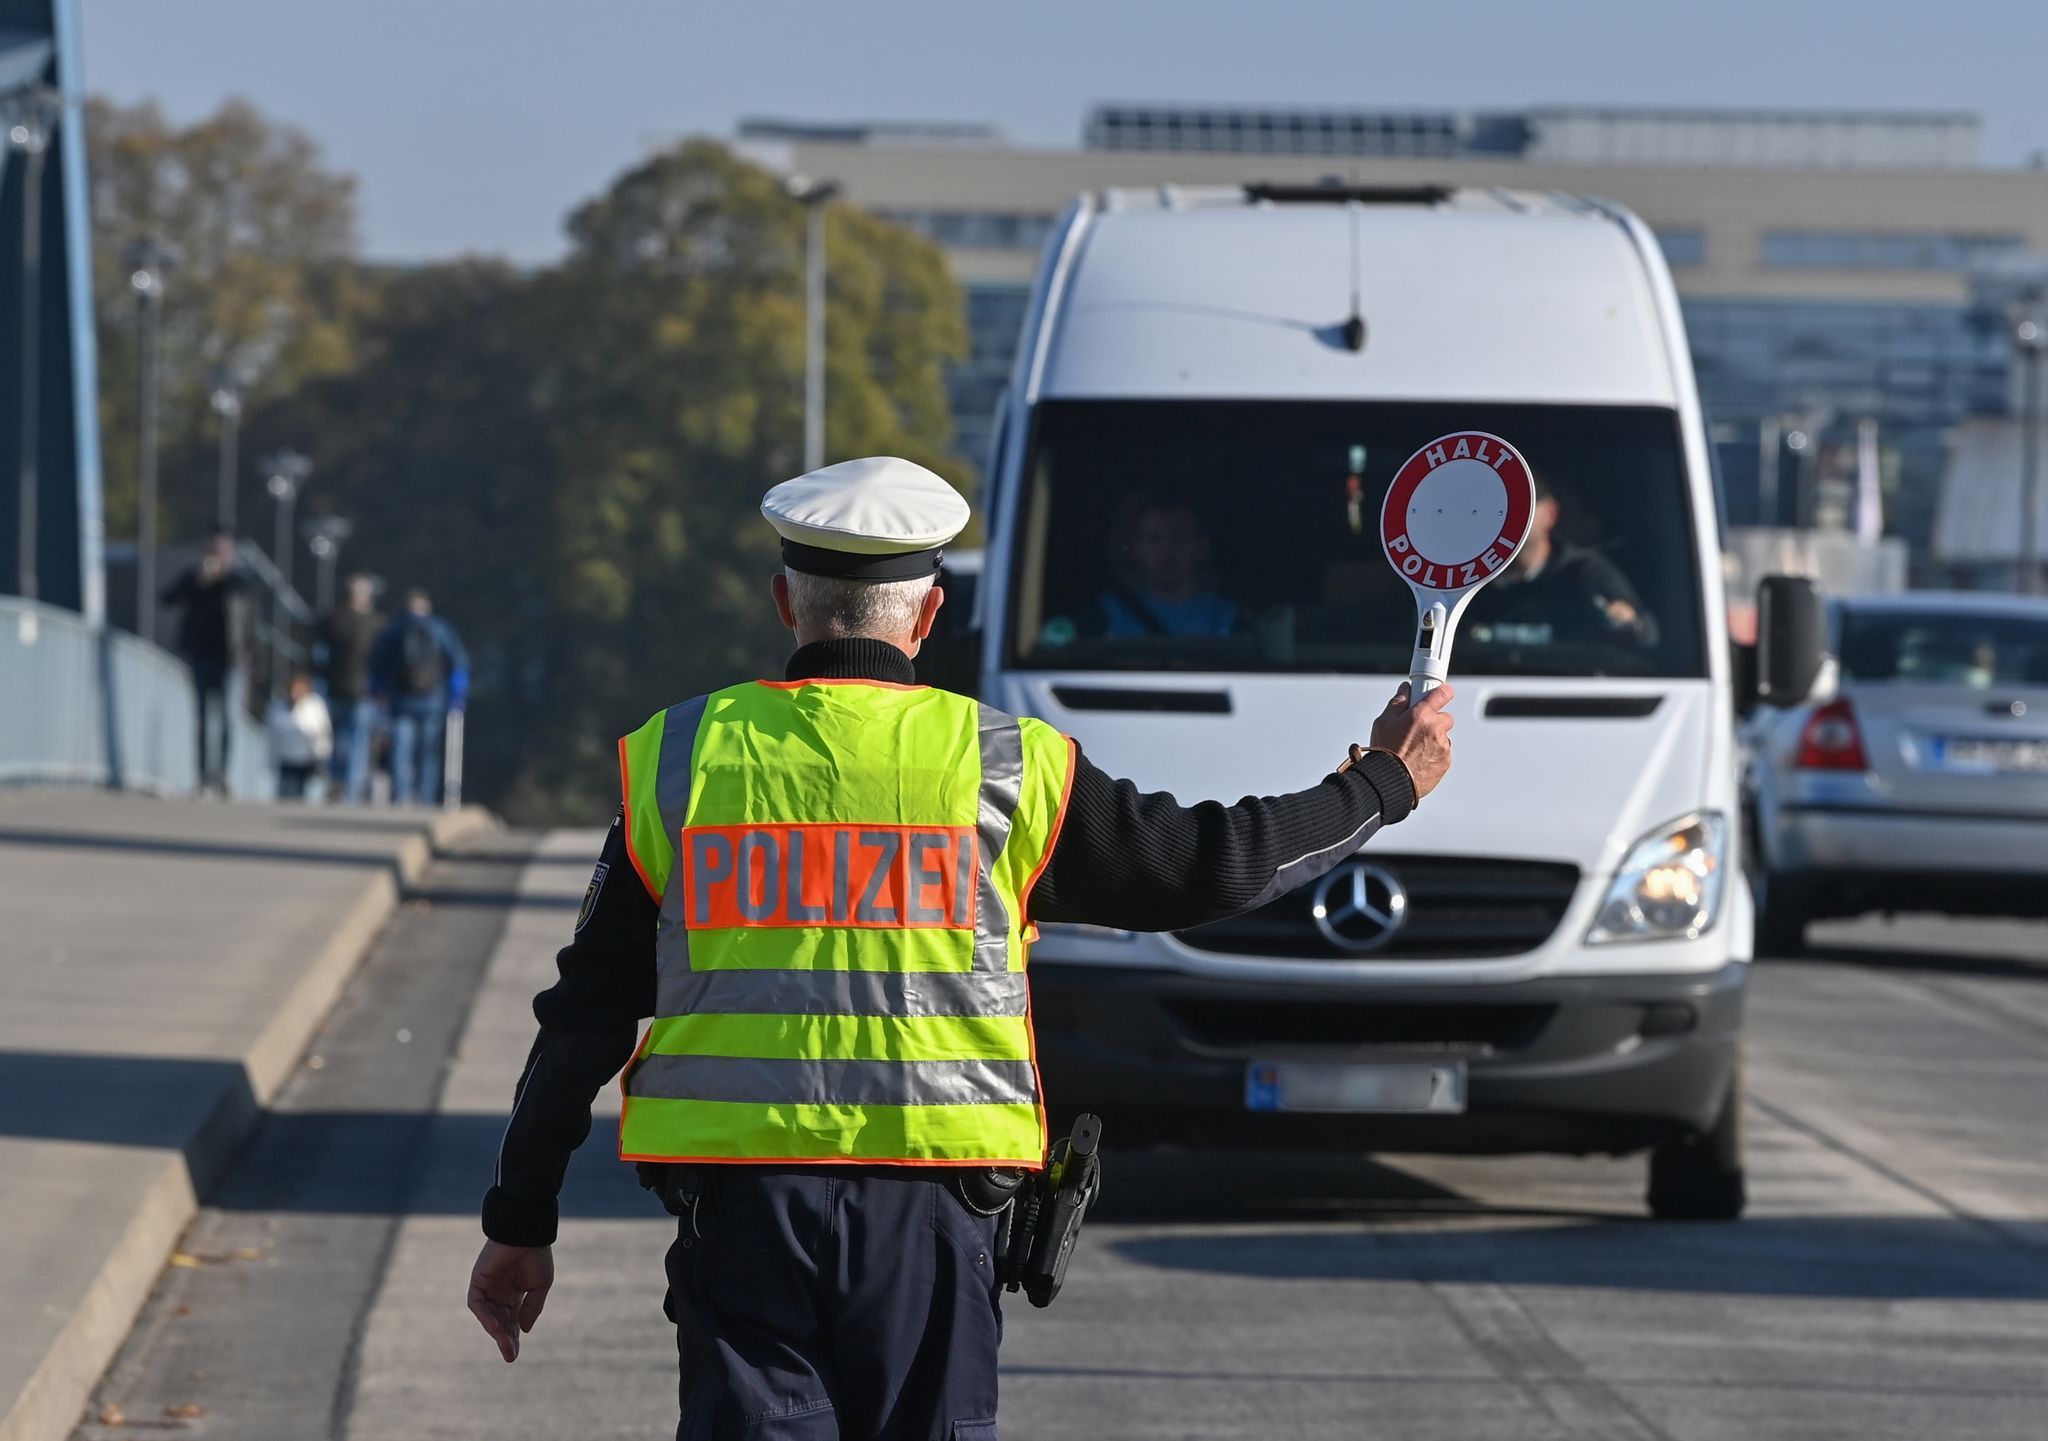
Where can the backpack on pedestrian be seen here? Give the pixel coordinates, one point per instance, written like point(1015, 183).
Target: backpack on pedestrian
point(422, 660)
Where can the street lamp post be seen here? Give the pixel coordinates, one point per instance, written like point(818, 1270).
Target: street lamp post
point(1803, 446)
point(1802, 427)
point(227, 404)
point(148, 260)
point(288, 471)
point(814, 196)
point(28, 132)
point(1770, 436)
point(325, 536)
point(2030, 337)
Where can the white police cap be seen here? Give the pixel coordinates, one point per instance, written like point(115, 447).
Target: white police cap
point(879, 518)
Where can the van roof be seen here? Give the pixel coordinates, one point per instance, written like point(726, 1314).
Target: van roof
point(1124, 199)
point(1467, 294)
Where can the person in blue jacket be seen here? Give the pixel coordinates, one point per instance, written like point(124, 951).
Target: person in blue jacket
point(1167, 593)
point(419, 672)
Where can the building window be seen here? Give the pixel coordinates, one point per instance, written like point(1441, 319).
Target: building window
point(1683, 246)
point(975, 229)
point(1918, 368)
point(995, 319)
point(1875, 250)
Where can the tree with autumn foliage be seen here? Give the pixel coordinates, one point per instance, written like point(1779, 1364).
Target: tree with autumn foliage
point(263, 282)
point(573, 459)
point(570, 459)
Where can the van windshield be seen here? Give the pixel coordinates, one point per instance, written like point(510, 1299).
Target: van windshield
point(1227, 535)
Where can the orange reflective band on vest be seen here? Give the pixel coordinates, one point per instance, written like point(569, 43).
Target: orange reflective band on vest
point(891, 877)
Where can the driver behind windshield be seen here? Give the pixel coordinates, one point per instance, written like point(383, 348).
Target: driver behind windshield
point(1166, 591)
point(1555, 593)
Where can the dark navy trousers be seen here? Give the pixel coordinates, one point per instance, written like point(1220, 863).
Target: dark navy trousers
point(834, 1303)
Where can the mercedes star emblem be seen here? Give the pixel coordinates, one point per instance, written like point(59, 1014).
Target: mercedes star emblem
point(1359, 907)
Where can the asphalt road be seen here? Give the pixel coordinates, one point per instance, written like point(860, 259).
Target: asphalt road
point(1891, 1280)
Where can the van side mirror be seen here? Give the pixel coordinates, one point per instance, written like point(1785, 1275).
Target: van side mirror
point(1791, 639)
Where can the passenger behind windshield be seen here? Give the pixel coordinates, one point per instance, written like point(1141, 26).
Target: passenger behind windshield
point(1166, 589)
point(1555, 593)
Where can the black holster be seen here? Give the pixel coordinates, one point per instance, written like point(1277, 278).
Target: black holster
point(1044, 1220)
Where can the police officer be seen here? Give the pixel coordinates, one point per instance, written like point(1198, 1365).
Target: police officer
point(820, 888)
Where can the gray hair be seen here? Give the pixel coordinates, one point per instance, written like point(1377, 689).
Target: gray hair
point(879, 609)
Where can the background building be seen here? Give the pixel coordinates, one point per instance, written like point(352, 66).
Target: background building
point(1824, 260)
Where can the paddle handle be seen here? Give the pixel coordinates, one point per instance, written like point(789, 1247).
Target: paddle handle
point(1430, 666)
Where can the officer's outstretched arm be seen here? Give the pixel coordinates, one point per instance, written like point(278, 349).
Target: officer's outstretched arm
point(1141, 861)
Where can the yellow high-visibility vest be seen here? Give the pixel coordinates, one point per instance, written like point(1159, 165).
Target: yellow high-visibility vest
point(841, 868)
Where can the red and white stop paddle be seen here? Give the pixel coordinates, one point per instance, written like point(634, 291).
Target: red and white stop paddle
point(1456, 514)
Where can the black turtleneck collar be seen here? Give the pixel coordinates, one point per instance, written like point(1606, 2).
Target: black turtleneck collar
point(857, 658)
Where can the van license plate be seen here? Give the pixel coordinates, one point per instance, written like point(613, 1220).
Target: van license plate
point(1333, 1086)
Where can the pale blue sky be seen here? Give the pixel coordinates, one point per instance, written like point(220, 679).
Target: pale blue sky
point(474, 125)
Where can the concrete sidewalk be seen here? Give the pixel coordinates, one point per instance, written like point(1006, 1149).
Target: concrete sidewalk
point(163, 964)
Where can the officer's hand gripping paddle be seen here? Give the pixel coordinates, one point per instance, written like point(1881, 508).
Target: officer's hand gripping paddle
point(1457, 513)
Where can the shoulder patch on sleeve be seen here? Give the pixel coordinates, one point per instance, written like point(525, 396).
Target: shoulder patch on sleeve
point(590, 895)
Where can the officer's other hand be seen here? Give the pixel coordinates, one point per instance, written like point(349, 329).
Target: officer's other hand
point(507, 1287)
point(1419, 733)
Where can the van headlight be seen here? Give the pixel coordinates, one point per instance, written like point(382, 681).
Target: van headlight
point(1669, 888)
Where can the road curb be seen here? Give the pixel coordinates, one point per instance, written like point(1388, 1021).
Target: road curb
point(51, 1403)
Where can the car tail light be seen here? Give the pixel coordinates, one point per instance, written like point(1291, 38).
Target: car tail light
point(1831, 741)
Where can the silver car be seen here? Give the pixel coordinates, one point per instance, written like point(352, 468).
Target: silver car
point(1918, 780)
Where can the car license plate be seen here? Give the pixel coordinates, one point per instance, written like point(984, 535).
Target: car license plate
point(1962, 753)
point(1334, 1086)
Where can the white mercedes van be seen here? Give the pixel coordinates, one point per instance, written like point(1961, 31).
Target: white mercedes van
point(1213, 389)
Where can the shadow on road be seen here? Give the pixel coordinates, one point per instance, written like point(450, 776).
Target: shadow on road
point(1305, 1217)
point(1987, 963)
point(192, 849)
point(339, 1162)
point(1170, 1187)
point(580, 861)
point(1845, 1257)
point(440, 890)
point(496, 900)
point(363, 821)
point(1355, 1219)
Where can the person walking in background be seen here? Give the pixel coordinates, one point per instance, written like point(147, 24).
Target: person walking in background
point(212, 635)
point(348, 633)
point(418, 672)
point(301, 736)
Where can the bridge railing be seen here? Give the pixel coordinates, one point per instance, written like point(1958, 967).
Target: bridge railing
point(83, 705)
point(273, 649)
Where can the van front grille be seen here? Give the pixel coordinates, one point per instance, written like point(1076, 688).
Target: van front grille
point(1457, 909)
